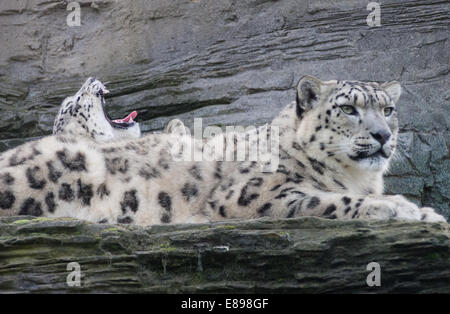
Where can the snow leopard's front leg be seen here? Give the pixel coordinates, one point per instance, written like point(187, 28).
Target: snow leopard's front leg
point(298, 202)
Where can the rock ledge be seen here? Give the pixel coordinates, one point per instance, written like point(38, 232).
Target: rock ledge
point(305, 255)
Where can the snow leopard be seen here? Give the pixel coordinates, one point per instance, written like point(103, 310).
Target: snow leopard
point(84, 115)
point(328, 151)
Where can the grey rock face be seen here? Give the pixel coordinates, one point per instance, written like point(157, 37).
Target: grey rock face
point(231, 62)
point(299, 255)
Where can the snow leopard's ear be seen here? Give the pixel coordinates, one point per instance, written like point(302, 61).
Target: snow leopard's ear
point(393, 89)
point(308, 93)
point(87, 83)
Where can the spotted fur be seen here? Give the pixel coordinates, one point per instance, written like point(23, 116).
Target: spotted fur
point(335, 142)
point(84, 115)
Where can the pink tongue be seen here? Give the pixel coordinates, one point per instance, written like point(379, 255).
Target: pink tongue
point(127, 119)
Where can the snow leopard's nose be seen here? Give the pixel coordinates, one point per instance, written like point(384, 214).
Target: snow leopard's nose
point(382, 136)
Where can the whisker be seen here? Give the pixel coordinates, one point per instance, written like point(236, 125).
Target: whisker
point(397, 155)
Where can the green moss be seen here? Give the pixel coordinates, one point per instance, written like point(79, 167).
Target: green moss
point(25, 221)
point(228, 227)
point(198, 278)
point(41, 219)
point(167, 247)
point(433, 256)
point(21, 222)
point(113, 229)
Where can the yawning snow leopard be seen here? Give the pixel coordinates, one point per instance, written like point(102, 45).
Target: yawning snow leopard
point(335, 141)
point(84, 115)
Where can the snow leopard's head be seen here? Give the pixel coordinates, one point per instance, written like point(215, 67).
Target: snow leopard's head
point(101, 127)
point(353, 122)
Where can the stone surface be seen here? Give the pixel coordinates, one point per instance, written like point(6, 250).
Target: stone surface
point(231, 62)
point(305, 255)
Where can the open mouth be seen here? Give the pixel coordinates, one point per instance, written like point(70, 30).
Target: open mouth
point(365, 155)
point(124, 123)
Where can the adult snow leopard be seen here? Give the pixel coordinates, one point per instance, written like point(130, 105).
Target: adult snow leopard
point(335, 141)
point(84, 115)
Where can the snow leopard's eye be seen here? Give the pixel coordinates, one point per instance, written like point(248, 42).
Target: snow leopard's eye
point(388, 111)
point(347, 109)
